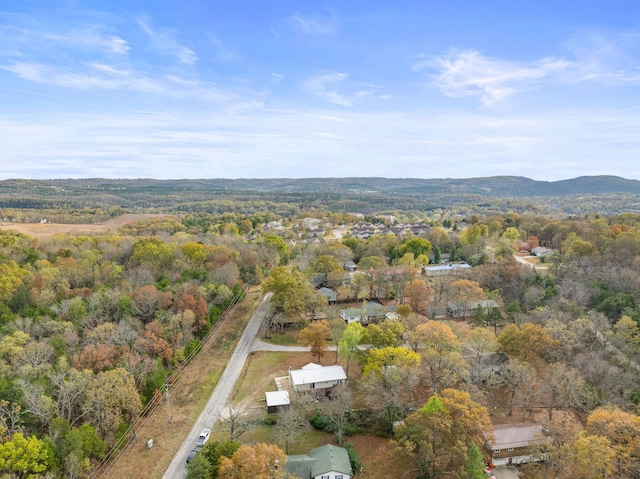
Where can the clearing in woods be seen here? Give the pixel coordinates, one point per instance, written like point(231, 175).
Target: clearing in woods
point(44, 230)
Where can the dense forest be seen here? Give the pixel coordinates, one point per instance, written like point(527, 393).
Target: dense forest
point(92, 326)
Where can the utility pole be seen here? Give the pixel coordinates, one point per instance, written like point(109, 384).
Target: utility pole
point(166, 393)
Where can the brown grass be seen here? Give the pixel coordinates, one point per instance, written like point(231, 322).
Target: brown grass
point(45, 230)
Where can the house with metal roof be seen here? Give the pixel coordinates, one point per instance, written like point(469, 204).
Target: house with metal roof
point(324, 462)
point(516, 443)
point(445, 269)
point(314, 377)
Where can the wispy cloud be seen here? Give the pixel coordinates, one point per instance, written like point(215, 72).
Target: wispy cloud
point(591, 56)
point(326, 86)
point(464, 73)
point(108, 77)
point(608, 58)
point(47, 39)
point(313, 24)
point(222, 51)
point(305, 143)
point(163, 41)
point(276, 78)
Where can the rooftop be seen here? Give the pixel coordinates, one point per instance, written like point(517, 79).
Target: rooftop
point(516, 435)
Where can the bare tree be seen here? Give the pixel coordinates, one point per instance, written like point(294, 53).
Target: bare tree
point(517, 377)
point(563, 387)
point(289, 426)
point(237, 422)
point(10, 420)
point(336, 407)
point(38, 404)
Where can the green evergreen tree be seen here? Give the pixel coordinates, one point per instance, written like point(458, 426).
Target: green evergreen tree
point(474, 466)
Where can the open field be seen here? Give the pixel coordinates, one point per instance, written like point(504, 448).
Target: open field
point(44, 230)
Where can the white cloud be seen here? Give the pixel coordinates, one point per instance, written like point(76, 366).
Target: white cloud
point(609, 58)
point(464, 73)
point(164, 41)
point(108, 77)
point(326, 85)
point(214, 143)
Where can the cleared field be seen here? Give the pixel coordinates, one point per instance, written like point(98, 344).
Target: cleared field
point(44, 230)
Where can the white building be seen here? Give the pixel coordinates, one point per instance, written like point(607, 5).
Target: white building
point(314, 377)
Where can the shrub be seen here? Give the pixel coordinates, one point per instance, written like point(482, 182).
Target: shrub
point(354, 457)
point(320, 422)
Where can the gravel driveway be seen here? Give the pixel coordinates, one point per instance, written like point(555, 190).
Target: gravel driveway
point(506, 472)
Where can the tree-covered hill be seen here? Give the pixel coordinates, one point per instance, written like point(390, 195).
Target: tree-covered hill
point(611, 194)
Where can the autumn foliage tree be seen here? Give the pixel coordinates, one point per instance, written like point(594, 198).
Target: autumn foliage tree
point(417, 295)
point(315, 336)
point(25, 457)
point(258, 461)
point(526, 342)
point(621, 430)
point(435, 440)
point(441, 354)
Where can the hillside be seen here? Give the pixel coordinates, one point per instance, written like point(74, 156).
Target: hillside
point(285, 196)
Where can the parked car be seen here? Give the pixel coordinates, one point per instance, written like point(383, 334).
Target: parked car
point(203, 438)
point(192, 454)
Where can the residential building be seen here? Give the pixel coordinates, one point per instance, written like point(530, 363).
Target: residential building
point(313, 377)
point(446, 269)
point(541, 251)
point(369, 312)
point(331, 295)
point(324, 462)
point(516, 443)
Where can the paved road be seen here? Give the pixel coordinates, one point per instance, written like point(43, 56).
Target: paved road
point(220, 396)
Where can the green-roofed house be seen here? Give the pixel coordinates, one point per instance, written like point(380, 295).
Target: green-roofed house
point(324, 462)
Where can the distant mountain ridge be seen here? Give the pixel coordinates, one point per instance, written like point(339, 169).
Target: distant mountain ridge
point(492, 186)
point(583, 195)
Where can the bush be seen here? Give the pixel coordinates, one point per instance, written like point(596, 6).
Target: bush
point(270, 420)
point(354, 457)
point(320, 422)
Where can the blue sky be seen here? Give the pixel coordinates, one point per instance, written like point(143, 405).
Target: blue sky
point(164, 89)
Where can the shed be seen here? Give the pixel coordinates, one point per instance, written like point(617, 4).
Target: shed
point(277, 400)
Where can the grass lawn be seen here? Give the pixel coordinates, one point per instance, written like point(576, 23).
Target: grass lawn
point(287, 338)
point(258, 377)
